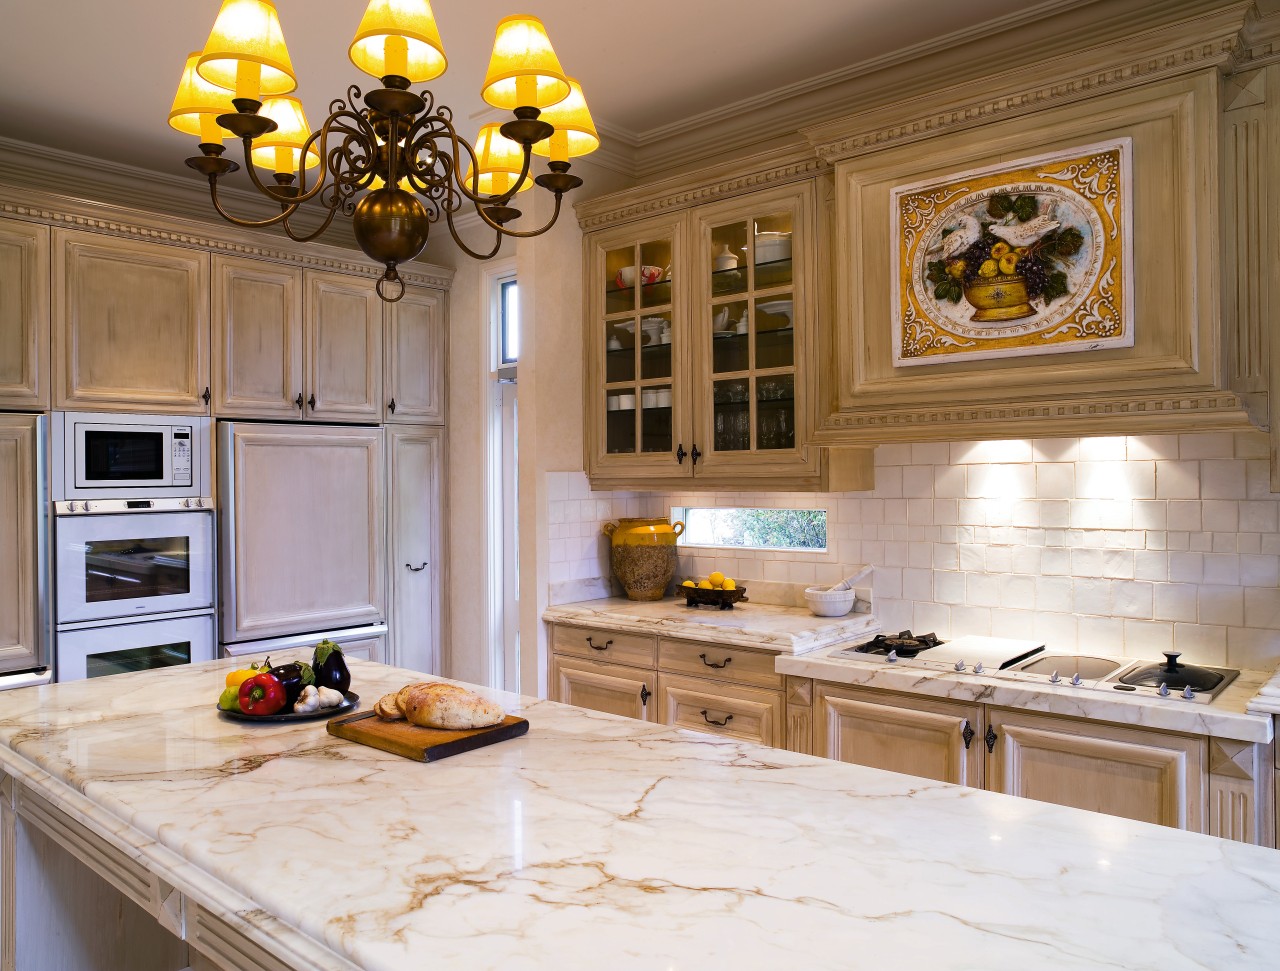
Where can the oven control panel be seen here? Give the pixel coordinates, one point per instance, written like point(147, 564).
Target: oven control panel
point(181, 459)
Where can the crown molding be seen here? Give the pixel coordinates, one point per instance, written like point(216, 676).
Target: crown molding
point(1259, 43)
point(695, 188)
point(1206, 41)
point(23, 202)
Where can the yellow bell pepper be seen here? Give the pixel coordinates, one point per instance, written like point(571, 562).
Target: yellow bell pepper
point(239, 676)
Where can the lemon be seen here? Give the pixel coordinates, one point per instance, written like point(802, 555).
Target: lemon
point(716, 578)
point(999, 250)
point(955, 269)
point(988, 268)
point(1009, 263)
point(728, 584)
point(688, 583)
point(705, 585)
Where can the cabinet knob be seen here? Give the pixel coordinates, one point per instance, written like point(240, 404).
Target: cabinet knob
point(990, 739)
point(680, 454)
point(298, 401)
point(711, 721)
point(967, 734)
point(391, 406)
point(695, 454)
point(311, 400)
point(645, 694)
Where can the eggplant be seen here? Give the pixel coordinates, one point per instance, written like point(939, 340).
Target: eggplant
point(293, 677)
point(331, 667)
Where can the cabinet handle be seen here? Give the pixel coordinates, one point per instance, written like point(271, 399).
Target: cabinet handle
point(392, 406)
point(645, 694)
point(967, 734)
point(712, 721)
point(311, 400)
point(596, 647)
point(990, 739)
point(722, 664)
point(298, 401)
point(695, 454)
point(416, 569)
point(206, 396)
point(680, 454)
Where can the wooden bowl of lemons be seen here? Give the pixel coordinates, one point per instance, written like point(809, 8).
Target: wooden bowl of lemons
point(717, 590)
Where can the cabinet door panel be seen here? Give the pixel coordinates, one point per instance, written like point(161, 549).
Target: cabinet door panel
point(901, 733)
point(612, 688)
point(257, 340)
point(416, 473)
point(1155, 777)
point(722, 709)
point(415, 358)
point(20, 633)
point(132, 325)
point(303, 545)
point(344, 348)
point(24, 315)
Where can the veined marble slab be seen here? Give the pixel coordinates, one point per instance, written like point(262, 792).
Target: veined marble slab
point(1267, 700)
point(599, 841)
point(1229, 716)
point(787, 630)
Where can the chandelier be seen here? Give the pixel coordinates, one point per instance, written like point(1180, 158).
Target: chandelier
point(395, 165)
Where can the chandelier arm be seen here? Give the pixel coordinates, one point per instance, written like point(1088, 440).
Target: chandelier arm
point(305, 195)
point(458, 143)
point(308, 237)
point(247, 223)
point(527, 233)
point(497, 242)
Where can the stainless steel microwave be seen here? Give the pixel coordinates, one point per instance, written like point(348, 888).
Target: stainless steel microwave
point(114, 456)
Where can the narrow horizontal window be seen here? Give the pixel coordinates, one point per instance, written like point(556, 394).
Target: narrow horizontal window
point(754, 529)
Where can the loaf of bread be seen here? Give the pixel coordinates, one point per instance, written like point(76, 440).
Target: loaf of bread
point(433, 704)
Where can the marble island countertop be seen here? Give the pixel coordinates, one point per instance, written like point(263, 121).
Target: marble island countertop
point(1230, 715)
point(602, 841)
point(786, 630)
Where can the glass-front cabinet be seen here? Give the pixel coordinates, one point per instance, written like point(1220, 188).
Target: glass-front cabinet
point(698, 329)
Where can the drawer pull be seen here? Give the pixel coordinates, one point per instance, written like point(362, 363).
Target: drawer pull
point(711, 721)
point(711, 664)
point(596, 647)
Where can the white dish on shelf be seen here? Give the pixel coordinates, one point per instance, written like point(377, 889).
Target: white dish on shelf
point(771, 247)
point(652, 326)
point(628, 325)
point(782, 307)
point(721, 320)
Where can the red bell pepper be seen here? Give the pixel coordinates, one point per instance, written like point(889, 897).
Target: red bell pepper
point(262, 695)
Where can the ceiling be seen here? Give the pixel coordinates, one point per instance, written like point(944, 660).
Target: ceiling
point(97, 78)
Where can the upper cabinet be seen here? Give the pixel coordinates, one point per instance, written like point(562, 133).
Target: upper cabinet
point(414, 353)
point(131, 325)
point(257, 340)
point(700, 351)
point(343, 358)
point(24, 315)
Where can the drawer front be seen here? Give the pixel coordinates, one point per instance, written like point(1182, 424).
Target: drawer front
point(599, 644)
point(735, 664)
point(750, 714)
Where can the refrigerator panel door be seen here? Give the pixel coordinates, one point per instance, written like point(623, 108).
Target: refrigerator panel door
point(303, 529)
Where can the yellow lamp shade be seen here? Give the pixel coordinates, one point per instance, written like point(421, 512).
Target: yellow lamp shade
point(198, 103)
point(523, 70)
point(499, 160)
point(246, 51)
point(399, 37)
point(281, 149)
point(378, 182)
point(575, 133)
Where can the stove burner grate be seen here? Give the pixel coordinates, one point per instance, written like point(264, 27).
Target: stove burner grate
point(905, 643)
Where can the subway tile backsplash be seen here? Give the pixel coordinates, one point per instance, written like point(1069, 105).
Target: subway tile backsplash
point(1123, 544)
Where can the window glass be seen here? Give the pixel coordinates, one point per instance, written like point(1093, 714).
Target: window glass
point(510, 322)
point(761, 529)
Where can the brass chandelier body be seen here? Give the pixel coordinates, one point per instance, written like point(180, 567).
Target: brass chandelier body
point(390, 159)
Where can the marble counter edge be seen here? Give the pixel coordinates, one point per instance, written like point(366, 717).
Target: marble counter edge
point(1074, 702)
point(837, 630)
point(1267, 700)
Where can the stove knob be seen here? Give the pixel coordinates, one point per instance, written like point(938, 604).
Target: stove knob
point(959, 665)
point(71, 507)
point(977, 668)
point(1075, 679)
point(186, 503)
point(1188, 693)
point(1055, 678)
point(86, 507)
point(199, 503)
point(891, 656)
point(1164, 690)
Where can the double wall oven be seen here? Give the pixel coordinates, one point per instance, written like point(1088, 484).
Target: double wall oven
point(133, 543)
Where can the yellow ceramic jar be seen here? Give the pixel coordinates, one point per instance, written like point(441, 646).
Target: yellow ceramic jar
point(643, 554)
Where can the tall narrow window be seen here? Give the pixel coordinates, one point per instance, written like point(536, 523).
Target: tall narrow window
point(510, 328)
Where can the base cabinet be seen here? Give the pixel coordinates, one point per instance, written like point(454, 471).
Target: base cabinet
point(612, 688)
point(939, 740)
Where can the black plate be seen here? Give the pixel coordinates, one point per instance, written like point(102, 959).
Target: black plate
point(351, 704)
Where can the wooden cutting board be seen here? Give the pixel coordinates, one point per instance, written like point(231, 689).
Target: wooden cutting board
point(421, 744)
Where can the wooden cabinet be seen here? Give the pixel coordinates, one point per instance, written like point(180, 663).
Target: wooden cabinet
point(131, 325)
point(751, 714)
point(343, 358)
point(926, 737)
point(414, 353)
point(21, 510)
point(24, 316)
point(700, 361)
point(257, 340)
point(290, 559)
point(613, 688)
point(415, 477)
point(1155, 777)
